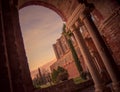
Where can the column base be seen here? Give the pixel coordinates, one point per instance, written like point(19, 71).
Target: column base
point(99, 88)
point(116, 86)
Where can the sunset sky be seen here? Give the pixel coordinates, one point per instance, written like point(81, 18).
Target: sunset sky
point(40, 28)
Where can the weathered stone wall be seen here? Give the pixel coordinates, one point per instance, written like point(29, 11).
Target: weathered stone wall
point(105, 7)
point(72, 70)
point(63, 7)
point(109, 26)
point(112, 34)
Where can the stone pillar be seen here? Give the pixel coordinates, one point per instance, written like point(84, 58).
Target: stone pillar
point(99, 87)
point(13, 57)
point(25, 72)
point(5, 77)
point(102, 49)
point(55, 50)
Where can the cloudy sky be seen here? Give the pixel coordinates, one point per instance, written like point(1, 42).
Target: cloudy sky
point(40, 28)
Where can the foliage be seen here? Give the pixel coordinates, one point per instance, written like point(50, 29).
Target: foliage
point(60, 69)
point(74, 54)
point(60, 74)
point(46, 85)
point(83, 75)
point(54, 75)
point(75, 57)
point(78, 80)
point(64, 26)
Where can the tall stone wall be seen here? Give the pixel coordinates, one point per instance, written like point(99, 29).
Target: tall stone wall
point(109, 27)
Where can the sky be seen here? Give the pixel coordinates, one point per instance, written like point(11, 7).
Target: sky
point(41, 27)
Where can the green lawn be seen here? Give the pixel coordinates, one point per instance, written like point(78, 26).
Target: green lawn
point(78, 80)
point(46, 85)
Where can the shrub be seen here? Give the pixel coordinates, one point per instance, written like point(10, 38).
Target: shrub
point(59, 75)
point(63, 76)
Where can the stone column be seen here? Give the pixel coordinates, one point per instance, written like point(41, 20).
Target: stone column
point(102, 49)
point(13, 57)
point(55, 50)
point(99, 87)
point(25, 72)
point(5, 77)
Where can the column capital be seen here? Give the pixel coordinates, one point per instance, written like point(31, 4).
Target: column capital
point(86, 11)
point(74, 28)
point(78, 23)
point(84, 14)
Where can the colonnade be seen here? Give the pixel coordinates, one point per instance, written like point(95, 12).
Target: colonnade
point(14, 71)
point(86, 20)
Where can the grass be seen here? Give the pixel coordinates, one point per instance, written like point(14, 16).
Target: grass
point(46, 85)
point(78, 80)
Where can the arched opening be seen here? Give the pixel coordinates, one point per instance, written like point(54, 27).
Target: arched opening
point(40, 31)
point(52, 27)
point(47, 5)
point(15, 71)
point(14, 67)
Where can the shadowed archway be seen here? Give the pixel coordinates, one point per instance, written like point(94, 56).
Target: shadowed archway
point(15, 75)
point(64, 8)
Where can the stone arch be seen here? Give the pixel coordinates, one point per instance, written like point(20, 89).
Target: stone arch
point(47, 5)
point(17, 77)
point(64, 8)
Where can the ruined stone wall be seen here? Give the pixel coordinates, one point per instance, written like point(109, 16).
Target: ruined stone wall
point(64, 8)
point(108, 12)
point(72, 70)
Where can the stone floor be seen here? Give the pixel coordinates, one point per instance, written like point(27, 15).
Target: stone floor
point(89, 89)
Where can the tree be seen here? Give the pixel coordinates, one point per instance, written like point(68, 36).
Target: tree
point(60, 69)
point(72, 49)
point(54, 75)
point(60, 74)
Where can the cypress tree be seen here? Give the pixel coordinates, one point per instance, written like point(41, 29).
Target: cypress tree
point(72, 49)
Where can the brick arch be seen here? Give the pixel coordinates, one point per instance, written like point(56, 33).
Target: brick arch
point(64, 8)
point(47, 5)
